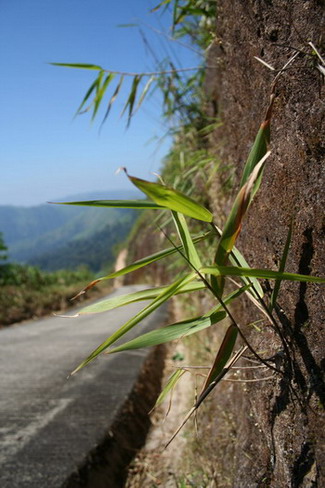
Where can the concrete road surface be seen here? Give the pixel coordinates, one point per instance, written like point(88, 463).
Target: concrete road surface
point(48, 423)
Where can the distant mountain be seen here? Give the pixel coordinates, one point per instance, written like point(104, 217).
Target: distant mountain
point(59, 236)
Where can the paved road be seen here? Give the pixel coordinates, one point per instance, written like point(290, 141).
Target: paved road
point(48, 423)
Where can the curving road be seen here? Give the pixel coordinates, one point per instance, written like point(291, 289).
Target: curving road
point(48, 423)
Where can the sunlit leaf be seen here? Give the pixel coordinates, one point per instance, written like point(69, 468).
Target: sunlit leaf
point(131, 98)
point(186, 240)
point(145, 91)
point(122, 300)
point(93, 87)
point(171, 332)
point(79, 66)
point(163, 297)
point(101, 92)
point(135, 204)
point(112, 99)
point(267, 274)
point(234, 222)
point(172, 199)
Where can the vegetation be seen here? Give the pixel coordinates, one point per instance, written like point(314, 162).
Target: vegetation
point(28, 292)
point(55, 237)
point(225, 275)
point(209, 276)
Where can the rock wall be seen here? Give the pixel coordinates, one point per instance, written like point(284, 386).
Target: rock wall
point(279, 424)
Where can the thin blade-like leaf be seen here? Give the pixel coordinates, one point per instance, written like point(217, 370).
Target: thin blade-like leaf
point(172, 199)
point(171, 332)
point(267, 274)
point(186, 240)
point(92, 87)
point(112, 99)
point(258, 150)
point(135, 204)
point(101, 92)
point(170, 385)
point(122, 300)
point(234, 222)
point(283, 261)
point(223, 355)
point(140, 264)
point(78, 66)
point(163, 297)
point(145, 91)
point(131, 98)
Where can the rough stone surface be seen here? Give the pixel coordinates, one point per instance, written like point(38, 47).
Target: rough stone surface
point(279, 434)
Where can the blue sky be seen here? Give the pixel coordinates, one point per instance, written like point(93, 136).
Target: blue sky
point(45, 153)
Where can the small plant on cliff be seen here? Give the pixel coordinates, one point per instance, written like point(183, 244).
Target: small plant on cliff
point(202, 274)
point(228, 263)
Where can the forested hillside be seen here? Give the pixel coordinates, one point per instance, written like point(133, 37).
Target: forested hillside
point(57, 236)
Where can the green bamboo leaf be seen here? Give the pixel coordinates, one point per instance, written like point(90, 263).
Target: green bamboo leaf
point(172, 199)
point(237, 259)
point(93, 86)
point(267, 274)
point(186, 240)
point(163, 297)
point(164, 2)
point(135, 204)
point(113, 98)
point(131, 98)
point(258, 151)
point(223, 355)
point(101, 92)
point(234, 222)
point(170, 385)
point(150, 294)
point(145, 91)
point(78, 66)
point(171, 332)
point(283, 261)
point(140, 264)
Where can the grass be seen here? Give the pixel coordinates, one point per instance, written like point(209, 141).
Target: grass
point(27, 292)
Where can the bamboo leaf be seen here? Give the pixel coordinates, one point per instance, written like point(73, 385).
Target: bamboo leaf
point(259, 149)
point(172, 199)
point(150, 294)
point(131, 99)
point(93, 86)
point(267, 274)
point(145, 91)
point(139, 264)
point(223, 355)
point(163, 297)
point(170, 385)
point(135, 204)
point(79, 66)
point(113, 98)
point(171, 332)
point(101, 92)
point(186, 240)
point(236, 258)
point(164, 2)
point(234, 222)
point(283, 261)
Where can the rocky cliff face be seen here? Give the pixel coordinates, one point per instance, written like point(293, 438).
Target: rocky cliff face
point(279, 424)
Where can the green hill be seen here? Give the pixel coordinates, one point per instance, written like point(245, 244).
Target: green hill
point(57, 236)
